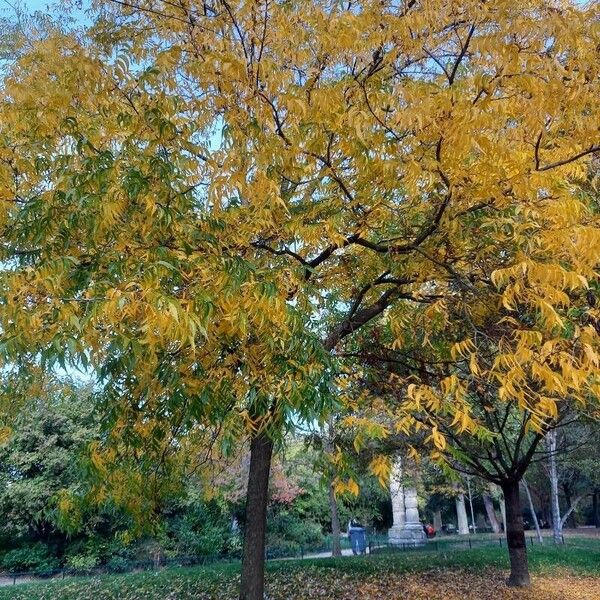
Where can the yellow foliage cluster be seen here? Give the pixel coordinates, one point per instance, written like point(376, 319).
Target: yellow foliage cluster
point(202, 204)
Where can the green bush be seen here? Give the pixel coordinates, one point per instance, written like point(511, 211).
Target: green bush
point(203, 529)
point(118, 564)
point(283, 549)
point(82, 562)
point(287, 529)
point(87, 553)
point(36, 558)
point(234, 545)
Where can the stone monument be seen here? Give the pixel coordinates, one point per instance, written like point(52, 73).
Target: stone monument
point(407, 529)
point(397, 494)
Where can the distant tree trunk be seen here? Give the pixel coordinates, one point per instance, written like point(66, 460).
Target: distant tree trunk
point(461, 515)
point(515, 536)
point(252, 586)
point(473, 524)
point(533, 513)
point(570, 518)
point(491, 513)
point(555, 506)
point(596, 507)
point(547, 514)
point(570, 510)
point(437, 520)
point(503, 512)
point(336, 545)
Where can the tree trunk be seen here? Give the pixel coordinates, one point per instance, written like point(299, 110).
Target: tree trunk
point(596, 508)
point(553, 474)
point(515, 536)
point(336, 546)
point(461, 515)
point(503, 512)
point(569, 518)
point(437, 520)
point(252, 585)
point(491, 513)
point(533, 513)
point(473, 524)
point(571, 510)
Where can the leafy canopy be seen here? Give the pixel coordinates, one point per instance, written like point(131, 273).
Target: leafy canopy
point(200, 199)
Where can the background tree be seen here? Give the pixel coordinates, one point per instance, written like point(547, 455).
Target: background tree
point(42, 457)
point(487, 395)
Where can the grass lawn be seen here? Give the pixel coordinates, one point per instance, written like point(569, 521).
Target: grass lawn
point(563, 573)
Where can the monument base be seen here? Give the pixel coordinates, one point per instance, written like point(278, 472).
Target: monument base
point(407, 536)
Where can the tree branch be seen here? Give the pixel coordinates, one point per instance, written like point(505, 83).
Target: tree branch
point(566, 161)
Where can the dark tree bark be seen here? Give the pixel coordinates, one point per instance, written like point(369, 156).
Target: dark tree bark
point(547, 514)
point(252, 585)
point(596, 507)
point(336, 546)
point(515, 536)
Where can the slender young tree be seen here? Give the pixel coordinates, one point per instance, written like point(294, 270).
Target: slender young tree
point(553, 476)
point(486, 401)
point(533, 512)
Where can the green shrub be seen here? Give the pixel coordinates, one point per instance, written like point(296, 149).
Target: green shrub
point(287, 529)
point(85, 554)
point(82, 562)
point(36, 558)
point(118, 564)
point(283, 549)
point(234, 545)
point(97, 550)
point(202, 530)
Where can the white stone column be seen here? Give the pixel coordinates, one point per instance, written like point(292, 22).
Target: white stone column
point(412, 508)
point(397, 494)
point(407, 528)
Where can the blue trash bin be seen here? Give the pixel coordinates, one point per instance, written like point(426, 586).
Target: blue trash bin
point(358, 540)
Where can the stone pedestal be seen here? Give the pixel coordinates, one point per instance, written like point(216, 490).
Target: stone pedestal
point(407, 529)
point(397, 495)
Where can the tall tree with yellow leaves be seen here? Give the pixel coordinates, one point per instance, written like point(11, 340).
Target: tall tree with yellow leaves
point(186, 186)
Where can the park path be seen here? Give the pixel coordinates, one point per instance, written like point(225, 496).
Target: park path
point(345, 552)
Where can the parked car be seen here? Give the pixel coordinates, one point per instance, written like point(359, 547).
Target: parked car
point(449, 528)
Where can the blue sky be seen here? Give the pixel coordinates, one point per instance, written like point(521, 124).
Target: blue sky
point(36, 4)
point(9, 8)
point(42, 4)
point(33, 5)
point(30, 6)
